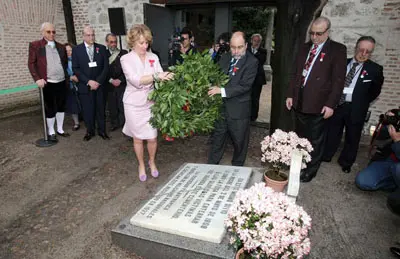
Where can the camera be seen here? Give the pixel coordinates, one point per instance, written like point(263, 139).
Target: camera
point(393, 120)
point(223, 48)
point(175, 42)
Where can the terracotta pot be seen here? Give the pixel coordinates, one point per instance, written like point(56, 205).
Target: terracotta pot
point(276, 185)
point(239, 253)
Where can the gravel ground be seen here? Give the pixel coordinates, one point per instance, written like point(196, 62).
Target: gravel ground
point(63, 201)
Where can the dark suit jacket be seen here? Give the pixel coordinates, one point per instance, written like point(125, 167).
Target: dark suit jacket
point(261, 56)
point(37, 62)
point(237, 103)
point(366, 90)
point(80, 66)
point(326, 80)
point(115, 70)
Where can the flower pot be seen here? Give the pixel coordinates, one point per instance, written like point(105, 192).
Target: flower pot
point(276, 181)
point(239, 253)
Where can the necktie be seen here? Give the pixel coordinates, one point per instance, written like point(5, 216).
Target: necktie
point(348, 80)
point(231, 65)
point(308, 63)
point(90, 53)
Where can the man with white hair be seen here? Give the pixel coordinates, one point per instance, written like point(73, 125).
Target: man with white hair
point(47, 64)
point(90, 65)
point(261, 54)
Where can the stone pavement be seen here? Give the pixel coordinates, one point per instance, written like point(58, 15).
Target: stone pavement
point(63, 201)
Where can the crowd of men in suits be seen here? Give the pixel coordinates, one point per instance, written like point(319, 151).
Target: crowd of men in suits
point(100, 80)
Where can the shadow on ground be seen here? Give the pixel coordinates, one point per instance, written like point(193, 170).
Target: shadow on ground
point(62, 201)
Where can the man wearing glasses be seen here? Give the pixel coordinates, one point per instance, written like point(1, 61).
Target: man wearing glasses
point(241, 66)
point(315, 89)
point(363, 85)
point(90, 65)
point(185, 47)
point(47, 64)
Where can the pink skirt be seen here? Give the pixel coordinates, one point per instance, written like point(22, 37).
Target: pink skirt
point(137, 123)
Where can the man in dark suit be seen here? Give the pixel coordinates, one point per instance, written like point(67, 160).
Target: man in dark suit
point(261, 55)
point(315, 89)
point(241, 66)
point(47, 64)
point(90, 65)
point(116, 83)
point(363, 85)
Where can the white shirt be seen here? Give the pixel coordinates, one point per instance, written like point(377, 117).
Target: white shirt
point(354, 81)
point(319, 48)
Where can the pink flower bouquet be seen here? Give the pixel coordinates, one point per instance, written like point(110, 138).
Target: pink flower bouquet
point(277, 149)
point(266, 224)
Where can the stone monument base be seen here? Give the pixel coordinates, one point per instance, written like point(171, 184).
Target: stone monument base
point(152, 244)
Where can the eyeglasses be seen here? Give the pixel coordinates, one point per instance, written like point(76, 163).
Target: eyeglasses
point(317, 33)
point(365, 51)
point(52, 32)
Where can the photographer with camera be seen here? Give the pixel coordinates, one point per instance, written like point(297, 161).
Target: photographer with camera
point(181, 45)
point(221, 47)
point(385, 174)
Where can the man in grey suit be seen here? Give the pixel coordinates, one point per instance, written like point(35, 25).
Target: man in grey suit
point(241, 67)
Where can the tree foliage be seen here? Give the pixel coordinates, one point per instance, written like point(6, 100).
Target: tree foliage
point(182, 106)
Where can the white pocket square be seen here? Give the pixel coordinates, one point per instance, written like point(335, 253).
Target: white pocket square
point(365, 81)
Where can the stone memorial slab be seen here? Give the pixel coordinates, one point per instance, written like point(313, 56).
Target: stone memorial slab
point(294, 175)
point(195, 202)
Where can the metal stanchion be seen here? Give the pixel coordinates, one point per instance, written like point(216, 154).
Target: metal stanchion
point(44, 142)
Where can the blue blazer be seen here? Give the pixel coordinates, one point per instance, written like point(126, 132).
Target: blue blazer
point(80, 66)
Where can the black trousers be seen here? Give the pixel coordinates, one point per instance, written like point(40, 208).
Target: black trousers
point(116, 106)
point(312, 127)
point(93, 110)
point(54, 96)
point(255, 100)
point(239, 131)
point(340, 120)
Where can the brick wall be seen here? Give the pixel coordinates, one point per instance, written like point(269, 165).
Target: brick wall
point(380, 19)
point(90, 12)
point(20, 23)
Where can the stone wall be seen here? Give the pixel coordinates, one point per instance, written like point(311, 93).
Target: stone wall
point(20, 24)
point(95, 13)
point(380, 19)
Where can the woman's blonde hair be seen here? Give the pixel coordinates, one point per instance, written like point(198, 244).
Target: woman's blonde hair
point(136, 31)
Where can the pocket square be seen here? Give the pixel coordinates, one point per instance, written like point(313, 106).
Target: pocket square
point(365, 81)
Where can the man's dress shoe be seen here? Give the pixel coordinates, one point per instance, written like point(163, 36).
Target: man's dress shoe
point(52, 138)
point(306, 177)
point(65, 134)
point(346, 169)
point(327, 160)
point(104, 136)
point(88, 136)
point(395, 251)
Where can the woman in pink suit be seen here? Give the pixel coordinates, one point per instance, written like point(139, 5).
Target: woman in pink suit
point(141, 69)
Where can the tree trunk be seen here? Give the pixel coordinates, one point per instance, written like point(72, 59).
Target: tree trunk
point(292, 21)
point(69, 21)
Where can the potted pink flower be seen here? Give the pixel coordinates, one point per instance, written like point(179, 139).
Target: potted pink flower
point(267, 224)
point(277, 152)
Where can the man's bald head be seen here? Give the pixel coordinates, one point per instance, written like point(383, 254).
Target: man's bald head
point(48, 31)
point(238, 44)
point(88, 35)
